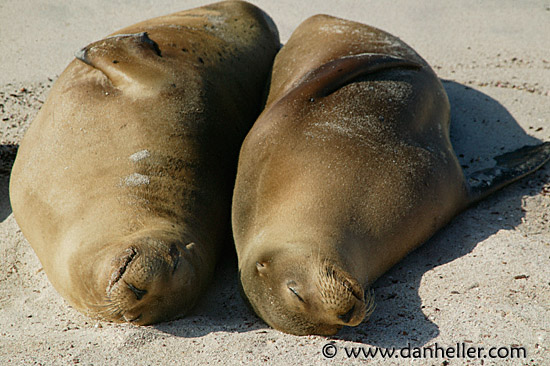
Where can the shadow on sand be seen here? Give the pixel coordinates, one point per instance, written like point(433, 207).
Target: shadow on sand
point(7, 157)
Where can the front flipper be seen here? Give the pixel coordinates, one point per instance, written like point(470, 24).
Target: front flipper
point(509, 168)
point(335, 74)
point(126, 59)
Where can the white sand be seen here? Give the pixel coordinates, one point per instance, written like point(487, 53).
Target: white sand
point(484, 280)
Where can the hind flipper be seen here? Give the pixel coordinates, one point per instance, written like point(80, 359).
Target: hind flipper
point(509, 168)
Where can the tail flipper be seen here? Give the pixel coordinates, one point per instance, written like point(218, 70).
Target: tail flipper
point(509, 168)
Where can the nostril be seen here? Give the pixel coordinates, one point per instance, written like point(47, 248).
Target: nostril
point(138, 292)
point(175, 255)
point(347, 316)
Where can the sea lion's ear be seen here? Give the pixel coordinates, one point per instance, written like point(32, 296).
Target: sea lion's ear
point(261, 267)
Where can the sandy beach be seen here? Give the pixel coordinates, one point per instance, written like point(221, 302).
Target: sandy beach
point(483, 282)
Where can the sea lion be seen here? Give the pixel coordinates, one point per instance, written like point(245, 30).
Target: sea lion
point(348, 168)
point(123, 182)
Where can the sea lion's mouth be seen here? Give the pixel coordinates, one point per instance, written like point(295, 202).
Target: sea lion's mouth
point(121, 264)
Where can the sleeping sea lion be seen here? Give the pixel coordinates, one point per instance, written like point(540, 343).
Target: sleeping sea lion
point(348, 168)
point(122, 184)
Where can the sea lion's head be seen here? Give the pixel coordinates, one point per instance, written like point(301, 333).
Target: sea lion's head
point(304, 295)
point(147, 277)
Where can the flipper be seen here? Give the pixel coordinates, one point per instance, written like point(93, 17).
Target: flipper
point(334, 74)
point(509, 168)
point(121, 57)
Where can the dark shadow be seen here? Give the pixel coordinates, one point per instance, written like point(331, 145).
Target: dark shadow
point(481, 128)
point(7, 157)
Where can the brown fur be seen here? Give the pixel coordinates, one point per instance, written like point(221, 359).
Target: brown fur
point(122, 184)
point(347, 170)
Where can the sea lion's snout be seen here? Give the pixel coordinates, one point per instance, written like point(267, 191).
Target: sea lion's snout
point(343, 297)
point(153, 280)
